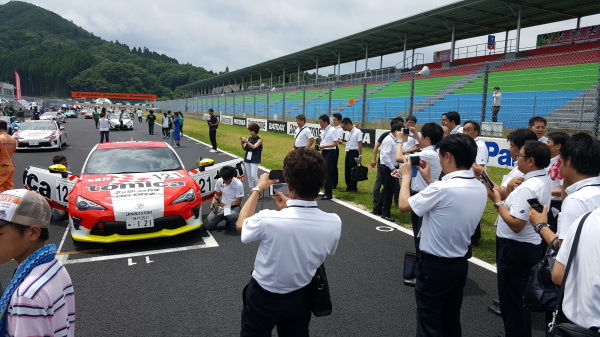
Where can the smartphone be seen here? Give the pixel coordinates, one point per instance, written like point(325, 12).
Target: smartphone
point(283, 188)
point(487, 180)
point(535, 204)
point(277, 174)
point(406, 131)
point(415, 160)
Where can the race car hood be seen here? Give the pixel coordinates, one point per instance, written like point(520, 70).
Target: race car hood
point(35, 134)
point(135, 191)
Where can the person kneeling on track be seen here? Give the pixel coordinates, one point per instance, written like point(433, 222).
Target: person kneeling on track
point(227, 201)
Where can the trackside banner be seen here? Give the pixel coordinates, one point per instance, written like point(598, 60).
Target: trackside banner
point(497, 147)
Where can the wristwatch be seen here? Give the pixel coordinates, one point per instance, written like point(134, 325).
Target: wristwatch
point(254, 189)
point(497, 204)
point(538, 227)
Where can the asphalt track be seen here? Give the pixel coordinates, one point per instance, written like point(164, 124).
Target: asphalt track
point(191, 285)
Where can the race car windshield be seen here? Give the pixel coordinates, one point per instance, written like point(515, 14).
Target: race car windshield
point(38, 126)
point(132, 160)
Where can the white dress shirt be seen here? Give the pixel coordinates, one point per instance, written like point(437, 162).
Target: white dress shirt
point(536, 185)
point(514, 173)
point(457, 129)
point(340, 132)
point(582, 197)
point(329, 136)
point(543, 139)
point(451, 209)
point(482, 153)
point(303, 136)
point(497, 99)
point(432, 156)
point(294, 242)
point(230, 192)
point(354, 136)
point(582, 287)
point(410, 143)
point(387, 152)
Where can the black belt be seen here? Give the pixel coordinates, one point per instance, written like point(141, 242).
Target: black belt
point(427, 256)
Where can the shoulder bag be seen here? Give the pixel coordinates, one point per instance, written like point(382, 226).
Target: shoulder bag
point(359, 173)
point(541, 293)
point(320, 299)
point(570, 329)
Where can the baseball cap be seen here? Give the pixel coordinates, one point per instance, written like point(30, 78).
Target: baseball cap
point(25, 208)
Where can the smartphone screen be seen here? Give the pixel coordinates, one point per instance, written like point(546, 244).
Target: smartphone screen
point(283, 188)
point(415, 160)
point(535, 204)
point(406, 131)
point(487, 180)
point(277, 174)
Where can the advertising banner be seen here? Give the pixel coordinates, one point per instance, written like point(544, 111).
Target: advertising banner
point(86, 94)
point(569, 36)
point(277, 126)
point(239, 121)
point(18, 85)
point(441, 56)
point(315, 129)
point(227, 120)
point(261, 122)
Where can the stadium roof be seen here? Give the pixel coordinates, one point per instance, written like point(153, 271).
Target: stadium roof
point(470, 18)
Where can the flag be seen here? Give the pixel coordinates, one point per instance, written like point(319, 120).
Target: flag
point(18, 85)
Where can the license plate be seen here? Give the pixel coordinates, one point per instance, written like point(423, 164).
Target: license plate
point(34, 142)
point(142, 219)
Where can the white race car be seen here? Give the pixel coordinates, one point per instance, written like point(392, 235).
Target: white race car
point(57, 116)
point(41, 135)
point(118, 121)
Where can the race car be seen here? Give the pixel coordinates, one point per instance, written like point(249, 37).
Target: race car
point(129, 191)
point(71, 114)
point(118, 121)
point(88, 115)
point(57, 116)
point(42, 134)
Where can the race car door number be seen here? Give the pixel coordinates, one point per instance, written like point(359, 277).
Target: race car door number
point(142, 219)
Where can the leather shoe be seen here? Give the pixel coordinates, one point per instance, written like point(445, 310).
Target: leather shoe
point(390, 219)
point(496, 302)
point(494, 310)
point(410, 282)
point(325, 197)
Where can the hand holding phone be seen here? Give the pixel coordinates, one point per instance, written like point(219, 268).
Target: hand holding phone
point(535, 204)
point(487, 180)
point(277, 174)
point(415, 160)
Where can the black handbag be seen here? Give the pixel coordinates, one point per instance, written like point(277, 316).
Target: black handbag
point(541, 293)
point(320, 299)
point(569, 329)
point(359, 173)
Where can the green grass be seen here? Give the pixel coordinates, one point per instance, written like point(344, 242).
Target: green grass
point(276, 146)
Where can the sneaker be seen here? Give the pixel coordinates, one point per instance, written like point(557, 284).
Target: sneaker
point(212, 150)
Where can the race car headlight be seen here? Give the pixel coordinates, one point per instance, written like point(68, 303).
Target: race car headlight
point(188, 196)
point(84, 204)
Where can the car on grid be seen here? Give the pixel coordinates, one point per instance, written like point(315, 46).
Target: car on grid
point(41, 134)
point(88, 115)
point(129, 191)
point(120, 121)
point(71, 114)
point(57, 116)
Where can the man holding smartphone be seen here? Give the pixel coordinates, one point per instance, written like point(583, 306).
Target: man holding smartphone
point(517, 244)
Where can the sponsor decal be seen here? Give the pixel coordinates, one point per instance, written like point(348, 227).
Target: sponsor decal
point(277, 126)
point(133, 185)
point(227, 120)
point(368, 137)
point(261, 122)
point(239, 121)
point(140, 193)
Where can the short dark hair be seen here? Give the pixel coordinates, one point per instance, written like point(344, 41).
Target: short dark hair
point(397, 127)
point(211, 110)
point(539, 151)
point(44, 233)
point(338, 116)
point(558, 138)
point(534, 119)
point(434, 131)
point(227, 172)
point(583, 151)
point(58, 158)
point(411, 118)
point(346, 120)
point(254, 127)
point(324, 118)
point(462, 147)
point(3, 125)
point(397, 120)
point(476, 126)
point(304, 171)
point(301, 117)
point(497, 88)
point(453, 116)
point(520, 136)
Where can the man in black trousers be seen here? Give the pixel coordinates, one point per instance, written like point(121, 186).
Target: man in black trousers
point(353, 153)
point(329, 142)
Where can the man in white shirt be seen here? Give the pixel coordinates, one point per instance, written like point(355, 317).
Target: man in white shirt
point(412, 143)
point(516, 140)
point(294, 242)
point(473, 130)
point(517, 244)
point(227, 201)
point(451, 209)
point(327, 146)
point(451, 120)
point(337, 120)
point(581, 296)
point(497, 100)
point(353, 153)
point(140, 115)
point(537, 124)
point(387, 164)
point(304, 137)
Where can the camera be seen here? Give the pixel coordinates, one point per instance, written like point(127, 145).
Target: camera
point(283, 188)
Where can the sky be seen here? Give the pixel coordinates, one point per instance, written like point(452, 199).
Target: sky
point(239, 33)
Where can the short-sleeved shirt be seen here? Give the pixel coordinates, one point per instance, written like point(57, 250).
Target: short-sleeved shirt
point(582, 197)
point(543, 139)
point(329, 136)
point(44, 303)
point(497, 99)
point(354, 136)
point(95, 114)
point(213, 120)
point(8, 146)
point(303, 136)
point(457, 129)
point(340, 132)
point(536, 185)
point(139, 113)
point(387, 152)
point(482, 153)
point(151, 118)
point(432, 156)
point(514, 173)
point(231, 192)
point(294, 242)
point(582, 294)
point(253, 156)
point(451, 209)
point(410, 143)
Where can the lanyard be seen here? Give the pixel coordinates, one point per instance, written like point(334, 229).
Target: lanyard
point(299, 131)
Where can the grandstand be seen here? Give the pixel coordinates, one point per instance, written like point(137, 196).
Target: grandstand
point(558, 82)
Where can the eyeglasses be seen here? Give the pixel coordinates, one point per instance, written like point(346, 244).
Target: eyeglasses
point(518, 155)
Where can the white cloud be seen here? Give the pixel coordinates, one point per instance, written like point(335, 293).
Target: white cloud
point(237, 33)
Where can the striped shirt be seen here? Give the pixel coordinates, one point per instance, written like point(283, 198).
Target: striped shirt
point(44, 303)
